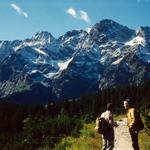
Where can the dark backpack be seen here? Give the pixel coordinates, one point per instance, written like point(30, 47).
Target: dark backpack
point(102, 126)
point(139, 123)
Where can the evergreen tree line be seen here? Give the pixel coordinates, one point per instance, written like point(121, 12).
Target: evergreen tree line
point(94, 104)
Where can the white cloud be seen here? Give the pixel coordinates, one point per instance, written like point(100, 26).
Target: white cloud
point(72, 12)
point(81, 15)
point(19, 10)
point(84, 16)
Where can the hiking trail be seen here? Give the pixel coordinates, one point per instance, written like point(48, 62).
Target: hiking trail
point(122, 136)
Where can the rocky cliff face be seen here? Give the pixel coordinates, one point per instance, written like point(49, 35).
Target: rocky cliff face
point(43, 67)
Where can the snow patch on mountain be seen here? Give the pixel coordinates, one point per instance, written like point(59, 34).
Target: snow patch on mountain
point(39, 60)
point(103, 59)
point(136, 41)
point(117, 61)
point(64, 65)
point(1, 43)
point(67, 40)
point(33, 71)
point(41, 52)
point(50, 75)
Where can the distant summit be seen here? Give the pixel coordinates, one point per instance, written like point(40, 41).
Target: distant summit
point(111, 30)
point(44, 36)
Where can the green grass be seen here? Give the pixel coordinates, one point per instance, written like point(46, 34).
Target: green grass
point(144, 140)
point(88, 140)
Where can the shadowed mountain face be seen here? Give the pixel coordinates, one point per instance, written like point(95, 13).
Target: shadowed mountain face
point(42, 68)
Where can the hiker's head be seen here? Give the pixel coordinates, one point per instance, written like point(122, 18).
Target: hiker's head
point(127, 103)
point(110, 106)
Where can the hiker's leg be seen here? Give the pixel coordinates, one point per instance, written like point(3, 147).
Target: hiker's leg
point(105, 141)
point(110, 145)
point(135, 141)
point(134, 137)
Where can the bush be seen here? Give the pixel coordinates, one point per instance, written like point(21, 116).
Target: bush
point(40, 132)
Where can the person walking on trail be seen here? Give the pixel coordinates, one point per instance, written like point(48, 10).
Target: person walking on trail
point(108, 136)
point(131, 122)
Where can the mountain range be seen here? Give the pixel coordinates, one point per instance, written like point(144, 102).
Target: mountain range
point(44, 68)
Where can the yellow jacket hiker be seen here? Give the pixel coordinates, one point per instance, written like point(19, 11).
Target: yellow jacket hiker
point(131, 117)
point(132, 122)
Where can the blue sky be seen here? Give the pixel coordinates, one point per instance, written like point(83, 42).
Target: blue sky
point(20, 19)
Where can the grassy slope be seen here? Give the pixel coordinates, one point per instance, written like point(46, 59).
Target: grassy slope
point(90, 140)
point(144, 141)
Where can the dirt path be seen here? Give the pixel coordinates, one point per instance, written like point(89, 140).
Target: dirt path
point(122, 137)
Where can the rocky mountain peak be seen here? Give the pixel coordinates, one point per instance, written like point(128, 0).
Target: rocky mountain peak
point(74, 34)
point(43, 36)
point(144, 32)
point(107, 30)
point(107, 23)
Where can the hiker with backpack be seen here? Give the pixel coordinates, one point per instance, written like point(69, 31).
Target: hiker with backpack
point(105, 127)
point(134, 122)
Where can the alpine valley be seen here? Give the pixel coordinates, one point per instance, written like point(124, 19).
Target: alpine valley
point(77, 63)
